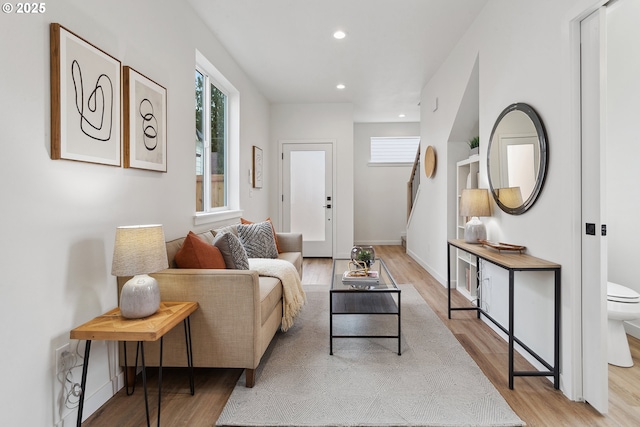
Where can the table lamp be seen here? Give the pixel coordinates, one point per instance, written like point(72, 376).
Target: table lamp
point(510, 197)
point(139, 250)
point(474, 203)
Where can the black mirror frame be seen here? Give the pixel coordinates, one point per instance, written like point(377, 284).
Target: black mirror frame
point(544, 157)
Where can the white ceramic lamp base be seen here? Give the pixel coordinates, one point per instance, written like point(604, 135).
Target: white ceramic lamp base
point(140, 297)
point(474, 230)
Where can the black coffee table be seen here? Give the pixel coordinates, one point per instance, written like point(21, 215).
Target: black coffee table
point(370, 298)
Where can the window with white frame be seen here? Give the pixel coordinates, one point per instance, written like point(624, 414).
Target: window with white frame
point(398, 150)
point(216, 141)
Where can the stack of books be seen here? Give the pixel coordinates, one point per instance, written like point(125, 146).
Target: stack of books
point(371, 277)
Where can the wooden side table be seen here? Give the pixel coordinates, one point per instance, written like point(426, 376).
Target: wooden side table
point(112, 326)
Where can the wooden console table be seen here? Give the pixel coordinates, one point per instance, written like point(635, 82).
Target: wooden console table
point(112, 326)
point(513, 262)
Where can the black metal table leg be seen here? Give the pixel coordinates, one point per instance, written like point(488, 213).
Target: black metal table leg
point(399, 325)
point(126, 369)
point(478, 287)
point(144, 382)
point(160, 380)
point(83, 382)
point(449, 280)
point(187, 335)
point(556, 342)
point(330, 323)
point(511, 334)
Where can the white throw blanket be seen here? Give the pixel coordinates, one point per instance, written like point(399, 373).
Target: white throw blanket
point(293, 294)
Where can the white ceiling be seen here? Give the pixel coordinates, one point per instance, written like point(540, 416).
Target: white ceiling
point(392, 48)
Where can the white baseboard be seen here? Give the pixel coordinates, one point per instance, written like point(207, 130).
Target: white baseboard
point(632, 328)
point(378, 242)
point(426, 266)
point(95, 401)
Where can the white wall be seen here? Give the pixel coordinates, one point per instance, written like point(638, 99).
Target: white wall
point(322, 122)
point(623, 131)
point(380, 213)
point(525, 55)
point(59, 217)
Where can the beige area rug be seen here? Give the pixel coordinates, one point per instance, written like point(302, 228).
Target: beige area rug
point(365, 383)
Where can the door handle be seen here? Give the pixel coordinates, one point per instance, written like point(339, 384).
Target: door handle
point(590, 229)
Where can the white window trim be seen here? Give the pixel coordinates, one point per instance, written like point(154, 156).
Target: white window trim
point(202, 218)
point(232, 210)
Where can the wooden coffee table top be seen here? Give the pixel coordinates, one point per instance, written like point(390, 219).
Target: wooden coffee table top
point(113, 327)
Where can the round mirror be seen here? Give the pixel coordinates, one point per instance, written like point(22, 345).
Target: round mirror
point(517, 158)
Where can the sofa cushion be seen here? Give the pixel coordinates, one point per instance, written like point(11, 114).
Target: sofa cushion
point(226, 229)
point(258, 240)
point(270, 296)
point(273, 229)
point(173, 246)
point(294, 258)
point(196, 253)
point(235, 257)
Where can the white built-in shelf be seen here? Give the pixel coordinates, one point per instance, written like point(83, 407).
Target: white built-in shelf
point(466, 269)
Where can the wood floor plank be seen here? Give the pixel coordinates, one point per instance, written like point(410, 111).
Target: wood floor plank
point(533, 398)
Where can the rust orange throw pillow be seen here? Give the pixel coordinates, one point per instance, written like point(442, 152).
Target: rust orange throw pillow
point(275, 237)
point(196, 253)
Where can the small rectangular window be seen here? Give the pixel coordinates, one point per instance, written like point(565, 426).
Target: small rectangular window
point(394, 150)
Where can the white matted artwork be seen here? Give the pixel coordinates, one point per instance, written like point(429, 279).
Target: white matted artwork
point(145, 122)
point(257, 167)
point(85, 100)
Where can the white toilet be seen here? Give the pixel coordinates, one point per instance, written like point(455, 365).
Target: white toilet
point(622, 304)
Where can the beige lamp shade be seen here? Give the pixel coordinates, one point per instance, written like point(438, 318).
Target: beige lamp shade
point(139, 249)
point(475, 202)
point(510, 197)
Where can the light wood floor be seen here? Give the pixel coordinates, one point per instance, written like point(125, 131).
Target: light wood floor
point(533, 398)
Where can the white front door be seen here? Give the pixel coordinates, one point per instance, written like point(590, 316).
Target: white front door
point(307, 195)
point(594, 245)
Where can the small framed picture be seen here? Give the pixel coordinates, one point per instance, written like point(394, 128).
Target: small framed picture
point(257, 167)
point(85, 100)
point(145, 122)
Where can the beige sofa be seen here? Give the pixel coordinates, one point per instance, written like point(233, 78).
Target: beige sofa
point(239, 312)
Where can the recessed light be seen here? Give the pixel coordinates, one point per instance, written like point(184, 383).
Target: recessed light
point(339, 35)
point(340, 86)
point(401, 116)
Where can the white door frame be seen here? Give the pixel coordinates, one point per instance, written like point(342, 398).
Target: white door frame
point(335, 207)
point(594, 247)
point(589, 366)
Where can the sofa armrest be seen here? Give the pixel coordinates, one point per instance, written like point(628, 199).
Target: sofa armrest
point(290, 242)
point(226, 326)
point(224, 291)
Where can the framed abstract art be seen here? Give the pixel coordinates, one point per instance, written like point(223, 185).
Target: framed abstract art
point(145, 122)
point(257, 167)
point(85, 100)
